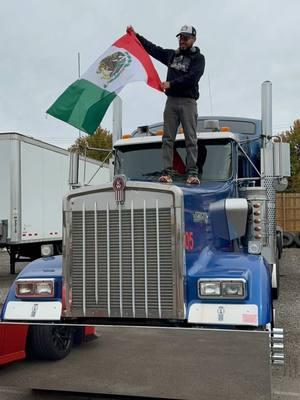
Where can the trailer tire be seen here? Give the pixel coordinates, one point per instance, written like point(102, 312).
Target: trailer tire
point(288, 239)
point(49, 342)
point(297, 239)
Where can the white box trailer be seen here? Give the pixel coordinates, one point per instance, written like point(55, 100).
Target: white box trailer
point(34, 179)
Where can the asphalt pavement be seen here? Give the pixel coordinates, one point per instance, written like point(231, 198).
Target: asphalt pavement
point(286, 380)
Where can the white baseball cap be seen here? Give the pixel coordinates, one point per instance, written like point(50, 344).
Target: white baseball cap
point(187, 30)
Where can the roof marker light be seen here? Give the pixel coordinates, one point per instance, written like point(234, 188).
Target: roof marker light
point(225, 129)
point(159, 132)
point(127, 136)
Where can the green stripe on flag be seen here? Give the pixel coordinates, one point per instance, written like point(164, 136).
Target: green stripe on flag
point(83, 105)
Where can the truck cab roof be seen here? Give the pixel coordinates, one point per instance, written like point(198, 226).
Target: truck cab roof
point(234, 128)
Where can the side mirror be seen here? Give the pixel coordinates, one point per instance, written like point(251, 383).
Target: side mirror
point(229, 218)
point(282, 165)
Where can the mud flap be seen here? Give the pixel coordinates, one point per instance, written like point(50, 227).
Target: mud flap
point(165, 363)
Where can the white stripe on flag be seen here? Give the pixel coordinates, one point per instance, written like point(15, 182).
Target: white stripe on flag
point(134, 72)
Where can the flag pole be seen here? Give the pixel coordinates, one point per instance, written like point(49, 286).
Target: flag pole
point(78, 68)
point(79, 131)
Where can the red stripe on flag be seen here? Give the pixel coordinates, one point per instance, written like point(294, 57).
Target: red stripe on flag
point(131, 43)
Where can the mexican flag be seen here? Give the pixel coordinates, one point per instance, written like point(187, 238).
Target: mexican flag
point(84, 103)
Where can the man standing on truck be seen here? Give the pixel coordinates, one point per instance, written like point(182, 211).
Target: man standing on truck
point(185, 68)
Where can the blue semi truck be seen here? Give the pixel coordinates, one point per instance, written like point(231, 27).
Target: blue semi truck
point(138, 252)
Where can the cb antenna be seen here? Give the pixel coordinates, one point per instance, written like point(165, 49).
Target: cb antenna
point(78, 68)
point(210, 96)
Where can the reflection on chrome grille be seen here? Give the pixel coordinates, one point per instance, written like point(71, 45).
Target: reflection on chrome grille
point(123, 262)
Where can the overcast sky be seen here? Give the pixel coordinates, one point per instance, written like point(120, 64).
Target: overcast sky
point(244, 42)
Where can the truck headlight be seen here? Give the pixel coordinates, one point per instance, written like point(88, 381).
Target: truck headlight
point(24, 289)
point(210, 288)
point(222, 288)
point(34, 288)
point(233, 289)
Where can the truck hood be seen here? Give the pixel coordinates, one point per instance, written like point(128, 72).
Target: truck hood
point(207, 188)
point(48, 267)
point(198, 229)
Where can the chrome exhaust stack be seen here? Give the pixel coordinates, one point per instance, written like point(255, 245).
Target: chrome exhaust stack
point(266, 108)
point(117, 119)
point(74, 169)
point(277, 346)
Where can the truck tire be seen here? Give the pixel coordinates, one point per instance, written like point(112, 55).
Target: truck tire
point(288, 239)
point(297, 239)
point(49, 342)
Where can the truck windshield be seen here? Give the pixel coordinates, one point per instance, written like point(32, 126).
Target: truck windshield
point(144, 161)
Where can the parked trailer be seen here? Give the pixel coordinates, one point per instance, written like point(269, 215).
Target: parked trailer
point(34, 178)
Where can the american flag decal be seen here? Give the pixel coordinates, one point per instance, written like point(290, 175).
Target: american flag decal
point(119, 184)
point(249, 318)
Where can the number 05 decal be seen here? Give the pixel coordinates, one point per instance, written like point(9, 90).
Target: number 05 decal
point(189, 241)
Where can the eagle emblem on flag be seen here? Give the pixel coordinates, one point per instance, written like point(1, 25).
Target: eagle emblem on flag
point(113, 65)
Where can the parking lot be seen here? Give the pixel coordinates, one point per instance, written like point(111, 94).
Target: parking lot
point(84, 361)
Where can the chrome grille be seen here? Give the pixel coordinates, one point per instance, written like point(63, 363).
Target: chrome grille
point(123, 263)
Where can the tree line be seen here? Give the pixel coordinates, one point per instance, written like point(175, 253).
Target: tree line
point(292, 136)
point(101, 139)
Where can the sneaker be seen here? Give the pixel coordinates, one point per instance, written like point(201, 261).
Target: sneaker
point(165, 179)
point(193, 180)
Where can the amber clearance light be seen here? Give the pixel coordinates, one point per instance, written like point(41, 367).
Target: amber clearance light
point(127, 136)
point(224, 129)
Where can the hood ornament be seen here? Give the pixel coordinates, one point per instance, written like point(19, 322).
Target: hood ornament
point(119, 185)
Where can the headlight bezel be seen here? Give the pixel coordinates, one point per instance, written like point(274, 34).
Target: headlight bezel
point(222, 281)
point(34, 282)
